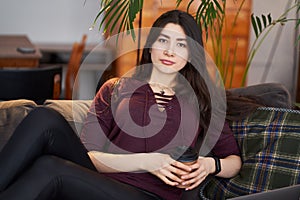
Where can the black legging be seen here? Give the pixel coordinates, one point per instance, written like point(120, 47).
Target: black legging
point(45, 159)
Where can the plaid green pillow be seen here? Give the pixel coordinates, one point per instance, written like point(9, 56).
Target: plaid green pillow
point(269, 140)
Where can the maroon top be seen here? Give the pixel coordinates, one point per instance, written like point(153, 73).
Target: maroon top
point(132, 123)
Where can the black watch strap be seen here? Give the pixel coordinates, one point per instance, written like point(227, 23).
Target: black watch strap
point(217, 165)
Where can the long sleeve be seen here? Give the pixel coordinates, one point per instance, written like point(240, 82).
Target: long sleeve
point(227, 144)
point(98, 123)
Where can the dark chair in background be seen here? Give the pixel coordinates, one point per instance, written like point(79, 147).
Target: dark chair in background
point(37, 84)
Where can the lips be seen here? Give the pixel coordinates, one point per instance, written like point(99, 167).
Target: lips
point(167, 62)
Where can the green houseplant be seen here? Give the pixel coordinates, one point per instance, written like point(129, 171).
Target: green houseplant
point(264, 24)
point(119, 16)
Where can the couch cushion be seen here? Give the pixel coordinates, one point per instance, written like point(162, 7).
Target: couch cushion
point(269, 141)
point(11, 114)
point(268, 94)
point(74, 111)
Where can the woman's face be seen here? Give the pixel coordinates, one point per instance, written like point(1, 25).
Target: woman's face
point(169, 53)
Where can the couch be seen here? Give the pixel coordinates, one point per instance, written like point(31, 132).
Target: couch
point(269, 139)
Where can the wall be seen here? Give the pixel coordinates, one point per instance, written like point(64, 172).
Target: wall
point(283, 65)
point(65, 21)
point(58, 21)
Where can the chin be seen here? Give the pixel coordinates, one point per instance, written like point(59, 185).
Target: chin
point(166, 69)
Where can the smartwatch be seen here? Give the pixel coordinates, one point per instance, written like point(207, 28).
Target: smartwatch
point(217, 166)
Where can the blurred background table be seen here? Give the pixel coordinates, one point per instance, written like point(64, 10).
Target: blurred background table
point(10, 56)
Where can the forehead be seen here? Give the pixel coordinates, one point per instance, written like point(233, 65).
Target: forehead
point(173, 30)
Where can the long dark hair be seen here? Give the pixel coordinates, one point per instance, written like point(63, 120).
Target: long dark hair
point(190, 73)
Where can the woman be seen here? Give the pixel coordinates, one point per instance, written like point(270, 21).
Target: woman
point(131, 131)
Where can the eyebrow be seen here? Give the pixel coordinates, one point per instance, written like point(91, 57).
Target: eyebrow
point(178, 39)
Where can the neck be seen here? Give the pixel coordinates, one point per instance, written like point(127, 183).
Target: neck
point(164, 79)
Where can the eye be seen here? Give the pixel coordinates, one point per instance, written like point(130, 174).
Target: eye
point(182, 45)
point(162, 40)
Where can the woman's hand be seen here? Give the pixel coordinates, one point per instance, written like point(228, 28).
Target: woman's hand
point(230, 166)
point(166, 168)
point(200, 170)
point(161, 165)
point(170, 171)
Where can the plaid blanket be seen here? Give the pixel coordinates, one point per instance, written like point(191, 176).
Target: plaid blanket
point(269, 140)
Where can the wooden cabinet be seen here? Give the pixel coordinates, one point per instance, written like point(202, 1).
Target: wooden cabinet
point(18, 51)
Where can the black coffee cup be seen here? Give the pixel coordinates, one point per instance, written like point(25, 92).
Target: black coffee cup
point(184, 154)
point(189, 156)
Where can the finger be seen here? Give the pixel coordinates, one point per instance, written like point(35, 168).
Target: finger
point(195, 166)
point(170, 176)
point(195, 182)
point(193, 174)
point(182, 166)
point(173, 177)
point(194, 185)
point(167, 180)
point(194, 178)
point(177, 171)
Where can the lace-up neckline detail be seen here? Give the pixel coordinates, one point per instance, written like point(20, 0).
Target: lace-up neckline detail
point(162, 100)
point(163, 95)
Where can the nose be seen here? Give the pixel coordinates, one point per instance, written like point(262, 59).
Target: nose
point(169, 52)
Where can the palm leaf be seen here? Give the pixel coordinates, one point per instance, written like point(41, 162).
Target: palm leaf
point(119, 12)
point(189, 5)
point(116, 20)
point(178, 2)
point(254, 25)
point(207, 12)
point(259, 24)
point(111, 17)
point(264, 20)
point(102, 11)
point(269, 18)
point(218, 6)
